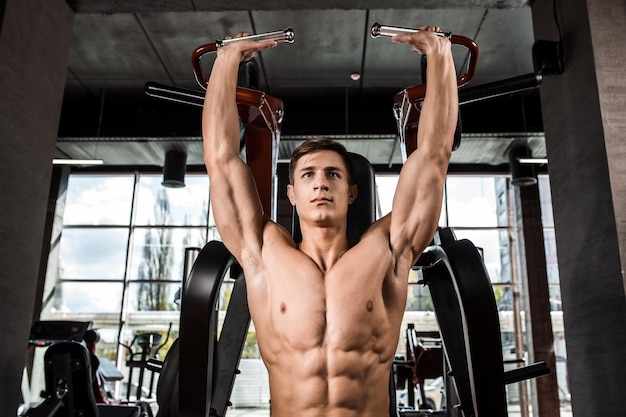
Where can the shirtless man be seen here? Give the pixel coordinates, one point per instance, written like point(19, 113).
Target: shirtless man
point(327, 314)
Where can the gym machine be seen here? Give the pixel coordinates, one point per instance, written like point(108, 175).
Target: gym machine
point(199, 371)
point(149, 345)
point(423, 360)
point(70, 373)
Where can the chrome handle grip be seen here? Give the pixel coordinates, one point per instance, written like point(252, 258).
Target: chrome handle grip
point(286, 35)
point(379, 30)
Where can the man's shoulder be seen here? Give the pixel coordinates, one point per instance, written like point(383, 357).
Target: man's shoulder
point(380, 226)
point(376, 235)
point(275, 233)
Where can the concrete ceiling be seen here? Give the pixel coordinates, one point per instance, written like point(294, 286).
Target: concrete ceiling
point(119, 46)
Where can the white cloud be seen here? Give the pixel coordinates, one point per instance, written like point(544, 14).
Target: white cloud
point(98, 199)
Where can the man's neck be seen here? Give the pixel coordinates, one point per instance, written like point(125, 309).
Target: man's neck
point(324, 245)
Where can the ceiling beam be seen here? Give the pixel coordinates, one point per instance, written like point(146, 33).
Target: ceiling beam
point(139, 6)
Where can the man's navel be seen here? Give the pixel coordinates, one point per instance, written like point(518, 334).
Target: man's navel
point(283, 308)
point(369, 306)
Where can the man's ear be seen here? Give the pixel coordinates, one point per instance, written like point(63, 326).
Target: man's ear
point(290, 194)
point(352, 193)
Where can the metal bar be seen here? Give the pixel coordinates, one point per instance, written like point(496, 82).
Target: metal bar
point(286, 35)
point(499, 88)
point(175, 94)
point(526, 372)
point(391, 31)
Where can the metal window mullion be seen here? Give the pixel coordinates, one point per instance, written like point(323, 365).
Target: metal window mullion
point(446, 207)
point(154, 281)
point(125, 283)
point(208, 216)
point(94, 226)
point(168, 226)
point(90, 280)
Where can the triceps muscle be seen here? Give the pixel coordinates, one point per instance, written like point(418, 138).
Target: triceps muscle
point(236, 206)
point(417, 202)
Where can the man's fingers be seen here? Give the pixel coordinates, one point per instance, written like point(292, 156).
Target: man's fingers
point(251, 48)
point(406, 38)
point(421, 41)
point(247, 49)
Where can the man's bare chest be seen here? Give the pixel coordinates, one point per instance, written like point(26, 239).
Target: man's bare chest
point(343, 308)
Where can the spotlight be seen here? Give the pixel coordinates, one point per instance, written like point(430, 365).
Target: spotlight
point(174, 169)
point(522, 175)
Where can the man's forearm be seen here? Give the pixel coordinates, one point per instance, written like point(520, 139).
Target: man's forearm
point(220, 117)
point(439, 113)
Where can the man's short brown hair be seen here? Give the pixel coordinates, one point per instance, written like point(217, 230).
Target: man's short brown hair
point(321, 144)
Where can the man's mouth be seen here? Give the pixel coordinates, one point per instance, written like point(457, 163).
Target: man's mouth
point(321, 200)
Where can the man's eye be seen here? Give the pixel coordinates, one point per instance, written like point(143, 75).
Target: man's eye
point(334, 174)
point(307, 175)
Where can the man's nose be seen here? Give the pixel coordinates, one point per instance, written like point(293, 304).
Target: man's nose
point(321, 183)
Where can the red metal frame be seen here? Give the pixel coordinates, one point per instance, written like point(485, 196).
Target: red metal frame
point(407, 103)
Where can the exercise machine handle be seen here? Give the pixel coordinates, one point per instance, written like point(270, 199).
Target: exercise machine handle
point(407, 102)
point(285, 36)
point(415, 92)
point(391, 31)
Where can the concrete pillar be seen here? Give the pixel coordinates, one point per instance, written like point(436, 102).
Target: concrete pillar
point(585, 127)
point(35, 40)
point(537, 302)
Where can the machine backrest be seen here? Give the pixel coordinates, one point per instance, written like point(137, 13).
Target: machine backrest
point(208, 366)
point(362, 212)
point(467, 314)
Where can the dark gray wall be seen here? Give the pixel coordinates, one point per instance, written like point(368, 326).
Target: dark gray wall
point(584, 121)
point(34, 46)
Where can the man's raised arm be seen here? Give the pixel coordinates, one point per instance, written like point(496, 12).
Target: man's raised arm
point(417, 202)
point(234, 197)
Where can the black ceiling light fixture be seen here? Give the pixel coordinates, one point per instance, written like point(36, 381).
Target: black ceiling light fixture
point(522, 174)
point(174, 168)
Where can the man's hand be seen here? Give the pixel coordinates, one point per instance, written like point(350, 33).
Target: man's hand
point(244, 49)
point(424, 41)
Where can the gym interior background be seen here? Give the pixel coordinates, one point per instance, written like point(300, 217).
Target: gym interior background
point(79, 242)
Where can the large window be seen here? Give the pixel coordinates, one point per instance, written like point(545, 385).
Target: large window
point(121, 256)
point(123, 251)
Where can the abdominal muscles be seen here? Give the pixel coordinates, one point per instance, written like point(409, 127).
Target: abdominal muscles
point(328, 369)
point(355, 388)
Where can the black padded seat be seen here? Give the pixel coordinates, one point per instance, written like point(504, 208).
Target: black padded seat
point(199, 370)
point(68, 362)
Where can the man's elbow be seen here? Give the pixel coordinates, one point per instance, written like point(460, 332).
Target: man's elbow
point(438, 153)
point(210, 162)
point(217, 156)
point(214, 164)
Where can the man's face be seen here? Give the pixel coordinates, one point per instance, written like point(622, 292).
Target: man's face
point(320, 189)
